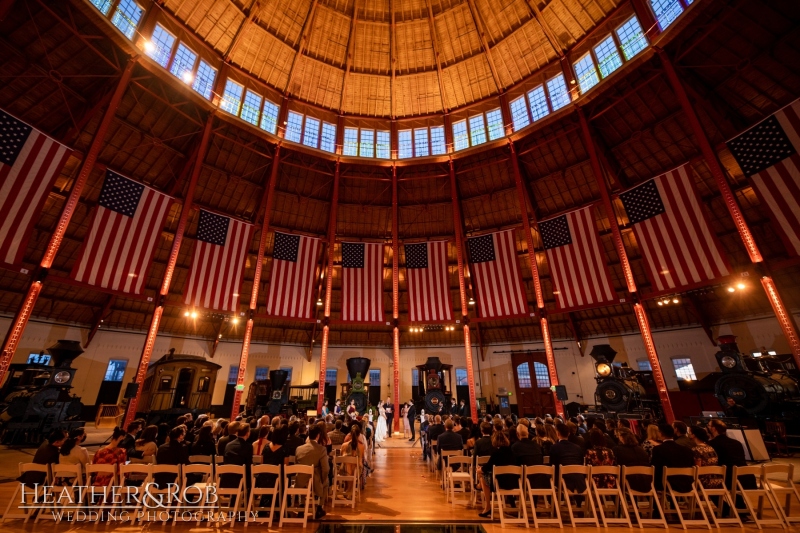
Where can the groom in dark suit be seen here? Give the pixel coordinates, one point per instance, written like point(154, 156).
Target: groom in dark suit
point(411, 414)
point(387, 405)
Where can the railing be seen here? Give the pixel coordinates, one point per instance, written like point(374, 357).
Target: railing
point(108, 415)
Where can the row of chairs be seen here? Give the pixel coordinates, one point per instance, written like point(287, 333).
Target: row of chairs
point(774, 501)
point(294, 500)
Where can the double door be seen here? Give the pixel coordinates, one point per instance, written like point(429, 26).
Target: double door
point(532, 384)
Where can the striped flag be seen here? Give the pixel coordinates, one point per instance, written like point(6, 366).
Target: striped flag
point(428, 282)
point(219, 257)
point(767, 154)
point(678, 246)
point(496, 276)
point(30, 162)
point(120, 244)
point(294, 262)
point(362, 282)
point(577, 268)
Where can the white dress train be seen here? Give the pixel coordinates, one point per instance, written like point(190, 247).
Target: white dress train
point(380, 430)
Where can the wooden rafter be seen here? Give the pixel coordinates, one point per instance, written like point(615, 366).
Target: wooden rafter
point(305, 35)
point(255, 8)
point(435, 47)
point(548, 31)
point(351, 45)
point(392, 59)
point(479, 27)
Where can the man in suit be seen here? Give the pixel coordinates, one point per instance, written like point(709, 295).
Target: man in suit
point(312, 453)
point(46, 454)
point(388, 407)
point(462, 409)
point(434, 430)
point(526, 451)
point(128, 442)
point(230, 431)
point(564, 453)
point(449, 440)
point(411, 415)
point(174, 452)
point(730, 453)
point(239, 452)
point(294, 441)
point(680, 434)
point(672, 455)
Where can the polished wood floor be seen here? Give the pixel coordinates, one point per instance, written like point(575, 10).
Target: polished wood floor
point(401, 491)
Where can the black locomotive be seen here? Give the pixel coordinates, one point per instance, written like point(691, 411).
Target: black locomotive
point(270, 396)
point(35, 398)
point(620, 389)
point(357, 390)
point(432, 382)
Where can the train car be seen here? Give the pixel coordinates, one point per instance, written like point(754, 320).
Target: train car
point(177, 384)
point(357, 389)
point(432, 385)
point(622, 390)
point(35, 398)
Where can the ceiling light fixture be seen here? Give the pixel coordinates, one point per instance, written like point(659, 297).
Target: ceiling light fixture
point(731, 289)
point(235, 320)
point(186, 313)
point(740, 286)
point(194, 314)
point(319, 302)
point(471, 301)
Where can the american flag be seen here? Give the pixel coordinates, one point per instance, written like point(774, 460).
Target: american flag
point(678, 245)
point(30, 162)
point(767, 153)
point(219, 257)
point(362, 282)
point(294, 262)
point(119, 246)
point(578, 269)
point(496, 276)
point(428, 282)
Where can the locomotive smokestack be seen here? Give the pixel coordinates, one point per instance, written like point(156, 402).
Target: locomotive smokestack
point(278, 378)
point(64, 352)
point(727, 343)
point(358, 365)
point(603, 353)
point(433, 363)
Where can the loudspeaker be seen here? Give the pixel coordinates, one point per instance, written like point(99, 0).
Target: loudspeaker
point(131, 390)
point(561, 393)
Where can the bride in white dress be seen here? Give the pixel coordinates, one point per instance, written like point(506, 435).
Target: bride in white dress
point(380, 430)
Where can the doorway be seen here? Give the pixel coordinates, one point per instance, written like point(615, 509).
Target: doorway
point(183, 389)
point(532, 383)
point(112, 382)
point(374, 386)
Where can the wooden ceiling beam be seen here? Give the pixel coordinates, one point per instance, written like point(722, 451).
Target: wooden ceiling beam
point(305, 34)
point(255, 9)
point(548, 31)
point(351, 45)
point(435, 46)
point(392, 62)
point(479, 27)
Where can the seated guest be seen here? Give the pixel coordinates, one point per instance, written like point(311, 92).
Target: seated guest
point(599, 454)
point(262, 441)
point(174, 452)
point(483, 444)
point(526, 452)
point(730, 453)
point(463, 428)
point(337, 435)
point(542, 439)
point(294, 440)
point(230, 434)
point(574, 437)
point(435, 429)
point(72, 453)
point(704, 455)
point(652, 439)
point(128, 442)
point(680, 434)
point(449, 440)
point(110, 454)
point(629, 453)
point(46, 454)
point(501, 456)
point(312, 453)
point(238, 452)
point(204, 441)
point(146, 443)
point(565, 453)
point(672, 455)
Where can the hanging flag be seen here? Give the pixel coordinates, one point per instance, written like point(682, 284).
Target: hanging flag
point(120, 244)
point(767, 154)
point(428, 282)
point(496, 276)
point(577, 268)
point(219, 257)
point(30, 162)
point(677, 243)
point(362, 282)
point(291, 288)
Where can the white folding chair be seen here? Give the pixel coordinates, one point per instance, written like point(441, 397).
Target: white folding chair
point(64, 490)
point(433, 458)
point(478, 492)
point(336, 449)
point(460, 480)
point(230, 498)
point(586, 508)
point(24, 501)
point(720, 492)
point(445, 456)
point(134, 478)
point(646, 504)
point(93, 472)
point(684, 504)
point(200, 459)
point(611, 505)
point(257, 493)
point(342, 482)
point(779, 479)
point(199, 476)
point(303, 494)
point(170, 474)
point(755, 498)
point(500, 494)
point(542, 497)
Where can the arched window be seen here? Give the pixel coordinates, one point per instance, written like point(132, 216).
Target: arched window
point(542, 375)
point(524, 376)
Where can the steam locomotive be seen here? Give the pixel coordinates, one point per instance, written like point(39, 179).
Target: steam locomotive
point(269, 396)
point(357, 390)
point(620, 389)
point(35, 398)
point(437, 395)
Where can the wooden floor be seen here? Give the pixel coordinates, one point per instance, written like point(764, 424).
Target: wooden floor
point(401, 491)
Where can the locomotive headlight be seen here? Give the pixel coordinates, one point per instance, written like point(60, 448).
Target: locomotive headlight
point(603, 369)
point(728, 361)
point(62, 377)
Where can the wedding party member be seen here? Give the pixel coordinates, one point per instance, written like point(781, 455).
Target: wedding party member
point(381, 430)
point(389, 416)
point(411, 414)
point(337, 409)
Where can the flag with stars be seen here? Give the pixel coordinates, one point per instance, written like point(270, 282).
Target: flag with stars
point(577, 268)
point(767, 154)
point(30, 162)
point(362, 282)
point(294, 265)
point(119, 247)
point(218, 264)
point(428, 282)
point(495, 275)
point(674, 237)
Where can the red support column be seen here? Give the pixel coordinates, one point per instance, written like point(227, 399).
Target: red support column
point(152, 332)
point(20, 321)
point(323, 358)
point(537, 286)
point(267, 201)
point(641, 316)
point(710, 156)
point(457, 225)
point(395, 301)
